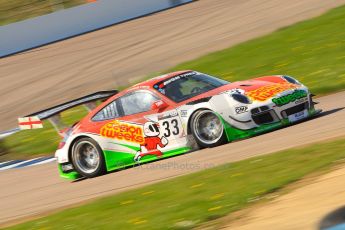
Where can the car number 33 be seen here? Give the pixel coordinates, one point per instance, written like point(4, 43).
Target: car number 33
point(171, 127)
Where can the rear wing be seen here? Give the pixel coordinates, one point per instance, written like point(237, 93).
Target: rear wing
point(47, 113)
point(34, 120)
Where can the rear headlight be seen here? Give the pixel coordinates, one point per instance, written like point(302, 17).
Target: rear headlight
point(65, 136)
point(241, 98)
point(61, 144)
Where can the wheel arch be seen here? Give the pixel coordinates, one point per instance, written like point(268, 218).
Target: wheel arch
point(224, 137)
point(189, 128)
point(101, 169)
point(72, 144)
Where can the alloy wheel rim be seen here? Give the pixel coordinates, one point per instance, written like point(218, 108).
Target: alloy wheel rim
point(208, 127)
point(86, 157)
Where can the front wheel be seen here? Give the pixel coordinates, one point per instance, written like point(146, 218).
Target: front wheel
point(87, 158)
point(207, 129)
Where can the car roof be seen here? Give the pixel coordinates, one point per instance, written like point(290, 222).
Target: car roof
point(142, 85)
point(151, 82)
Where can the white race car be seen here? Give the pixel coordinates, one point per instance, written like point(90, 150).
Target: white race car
point(174, 114)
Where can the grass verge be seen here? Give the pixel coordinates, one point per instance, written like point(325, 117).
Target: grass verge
point(18, 10)
point(313, 51)
point(32, 143)
point(189, 201)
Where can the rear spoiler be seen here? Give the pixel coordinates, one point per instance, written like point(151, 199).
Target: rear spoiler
point(34, 120)
point(47, 113)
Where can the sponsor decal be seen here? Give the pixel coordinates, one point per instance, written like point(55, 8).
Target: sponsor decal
point(123, 131)
point(184, 113)
point(298, 116)
point(151, 142)
point(160, 87)
point(241, 109)
point(169, 81)
point(283, 100)
point(188, 74)
point(302, 100)
point(148, 136)
point(167, 115)
point(266, 92)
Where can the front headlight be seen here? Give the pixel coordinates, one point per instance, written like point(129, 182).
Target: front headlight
point(291, 80)
point(241, 98)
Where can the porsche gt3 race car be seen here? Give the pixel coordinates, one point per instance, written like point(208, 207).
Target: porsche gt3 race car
point(177, 113)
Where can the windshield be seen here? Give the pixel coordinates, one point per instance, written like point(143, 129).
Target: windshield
point(188, 85)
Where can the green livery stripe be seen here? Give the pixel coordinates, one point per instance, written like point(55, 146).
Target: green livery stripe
point(233, 133)
point(177, 151)
point(116, 160)
point(135, 148)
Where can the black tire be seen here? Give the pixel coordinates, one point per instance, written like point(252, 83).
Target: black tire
point(207, 129)
point(87, 158)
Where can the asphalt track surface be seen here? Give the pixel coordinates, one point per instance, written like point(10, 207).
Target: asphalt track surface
point(104, 59)
point(35, 191)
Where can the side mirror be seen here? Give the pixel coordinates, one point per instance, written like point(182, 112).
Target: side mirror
point(159, 105)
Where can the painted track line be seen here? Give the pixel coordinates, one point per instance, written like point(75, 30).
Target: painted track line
point(21, 164)
point(9, 163)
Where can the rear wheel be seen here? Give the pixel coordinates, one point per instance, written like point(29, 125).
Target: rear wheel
point(207, 129)
point(87, 158)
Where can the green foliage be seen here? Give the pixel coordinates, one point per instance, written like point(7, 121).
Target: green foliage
point(3, 149)
point(18, 10)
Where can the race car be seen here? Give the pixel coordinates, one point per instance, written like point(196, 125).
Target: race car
point(177, 113)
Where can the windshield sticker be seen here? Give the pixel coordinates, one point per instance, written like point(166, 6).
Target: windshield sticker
point(188, 74)
point(160, 87)
point(266, 92)
point(169, 81)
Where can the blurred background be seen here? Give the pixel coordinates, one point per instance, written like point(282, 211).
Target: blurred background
point(17, 10)
point(54, 51)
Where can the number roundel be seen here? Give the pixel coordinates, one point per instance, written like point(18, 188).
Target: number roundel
point(170, 127)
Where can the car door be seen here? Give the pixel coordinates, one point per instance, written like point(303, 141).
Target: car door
point(162, 127)
point(129, 126)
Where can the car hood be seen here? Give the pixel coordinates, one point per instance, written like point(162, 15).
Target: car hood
point(258, 89)
point(261, 90)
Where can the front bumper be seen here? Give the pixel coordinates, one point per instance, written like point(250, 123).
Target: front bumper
point(292, 105)
point(259, 117)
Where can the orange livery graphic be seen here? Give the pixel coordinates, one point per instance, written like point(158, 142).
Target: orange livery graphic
point(123, 131)
point(266, 92)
